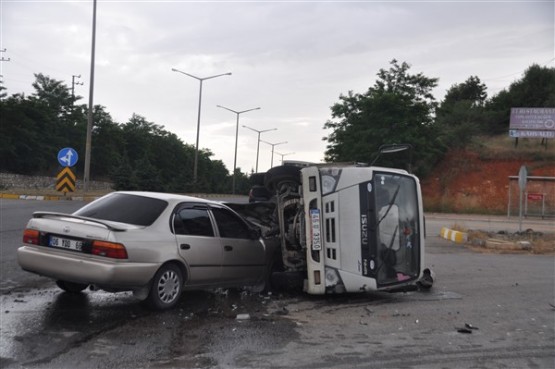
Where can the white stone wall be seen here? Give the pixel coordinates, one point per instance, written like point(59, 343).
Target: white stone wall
point(10, 181)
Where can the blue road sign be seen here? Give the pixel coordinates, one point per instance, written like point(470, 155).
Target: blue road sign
point(67, 157)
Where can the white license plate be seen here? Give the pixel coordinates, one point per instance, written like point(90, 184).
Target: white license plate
point(65, 243)
point(315, 225)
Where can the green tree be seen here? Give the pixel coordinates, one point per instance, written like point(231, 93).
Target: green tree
point(461, 115)
point(22, 142)
point(148, 176)
point(136, 155)
point(397, 109)
point(123, 176)
point(536, 89)
point(108, 144)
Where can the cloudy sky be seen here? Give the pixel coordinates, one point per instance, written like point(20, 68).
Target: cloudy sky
point(290, 58)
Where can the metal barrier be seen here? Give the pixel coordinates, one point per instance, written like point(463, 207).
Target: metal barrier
point(538, 199)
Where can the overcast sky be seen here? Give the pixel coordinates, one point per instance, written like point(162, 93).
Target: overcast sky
point(290, 58)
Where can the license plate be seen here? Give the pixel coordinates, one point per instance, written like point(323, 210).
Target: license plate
point(65, 243)
point(315, 225)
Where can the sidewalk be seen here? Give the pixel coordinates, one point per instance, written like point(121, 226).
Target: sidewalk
point(454, 227)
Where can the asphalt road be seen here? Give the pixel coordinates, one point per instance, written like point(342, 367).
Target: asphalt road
point(506, 300)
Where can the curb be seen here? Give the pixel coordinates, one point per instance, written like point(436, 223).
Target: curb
point(12, 196)
point(455, 236)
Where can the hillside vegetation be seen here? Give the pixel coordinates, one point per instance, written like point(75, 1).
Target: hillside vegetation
point(475, 179)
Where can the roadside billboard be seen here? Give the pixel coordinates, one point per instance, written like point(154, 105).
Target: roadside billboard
point(532, 122)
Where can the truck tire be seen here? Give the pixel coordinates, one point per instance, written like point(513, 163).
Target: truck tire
point(257, 179)
point(282, 174)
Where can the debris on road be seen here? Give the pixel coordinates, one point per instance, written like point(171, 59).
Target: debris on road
point(464, 330)
point(470, 326)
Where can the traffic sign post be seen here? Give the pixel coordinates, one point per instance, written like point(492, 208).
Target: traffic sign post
point(65, 180)
point(522, 179)
point(67, 157)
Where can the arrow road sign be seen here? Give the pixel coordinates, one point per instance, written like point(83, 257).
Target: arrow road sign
point(67, 157)
point(65, 180)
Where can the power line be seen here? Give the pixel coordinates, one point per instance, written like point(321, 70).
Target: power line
point(517, 73)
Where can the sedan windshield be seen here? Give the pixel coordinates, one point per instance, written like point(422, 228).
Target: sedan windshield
point(125, 208)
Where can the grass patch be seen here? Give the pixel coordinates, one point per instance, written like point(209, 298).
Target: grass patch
point(503, 148)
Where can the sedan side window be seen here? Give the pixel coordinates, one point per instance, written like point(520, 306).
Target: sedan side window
point(193, 222)
point(230, 225)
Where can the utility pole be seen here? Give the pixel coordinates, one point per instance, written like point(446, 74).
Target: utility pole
point(2, 76)
point(3, 51)
point(73, 83)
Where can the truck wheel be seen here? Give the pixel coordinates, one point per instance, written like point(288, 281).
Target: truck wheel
point(166, 288)
point(71, 287)
point(257, 179)
point(283, 174)
point(427, 280)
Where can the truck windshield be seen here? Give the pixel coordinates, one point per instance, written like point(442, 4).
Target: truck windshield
point(397, 225)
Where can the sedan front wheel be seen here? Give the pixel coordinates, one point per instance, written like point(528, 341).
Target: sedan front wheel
point(166, 287)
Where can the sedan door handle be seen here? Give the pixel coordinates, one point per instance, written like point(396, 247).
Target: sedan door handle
point(228, 248)
point(184, 246)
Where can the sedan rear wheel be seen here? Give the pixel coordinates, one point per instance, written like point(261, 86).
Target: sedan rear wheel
point(166, 287)
point(71, 287)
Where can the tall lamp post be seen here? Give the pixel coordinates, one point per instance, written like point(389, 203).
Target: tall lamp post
point(236, 139)
point(88, 139)
point(282, 155)
point(273, 145)
point(195, 168)
point(258, 144)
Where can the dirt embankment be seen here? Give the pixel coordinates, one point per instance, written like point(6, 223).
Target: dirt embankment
point(477, 182)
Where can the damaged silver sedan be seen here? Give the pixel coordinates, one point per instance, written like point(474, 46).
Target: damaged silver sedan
point(153, 244)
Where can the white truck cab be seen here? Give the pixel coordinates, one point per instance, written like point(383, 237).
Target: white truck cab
point(365, 228)
point(346, 228)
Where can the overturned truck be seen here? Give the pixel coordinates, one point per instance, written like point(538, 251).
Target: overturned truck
point(343, 228)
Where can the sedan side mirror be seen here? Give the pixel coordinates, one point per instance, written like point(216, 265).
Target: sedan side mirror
point(255, 233)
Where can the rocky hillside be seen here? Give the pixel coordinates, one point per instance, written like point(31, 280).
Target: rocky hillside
point(476, 179)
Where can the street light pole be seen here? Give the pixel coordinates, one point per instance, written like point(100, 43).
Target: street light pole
point(273, 145)
point(258, 143)
point(195, 168)
point(88, 139)
point(236, 139)
point(282, 155)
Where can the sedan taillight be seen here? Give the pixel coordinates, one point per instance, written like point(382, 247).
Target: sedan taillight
point(109, 249)
point(31, 236)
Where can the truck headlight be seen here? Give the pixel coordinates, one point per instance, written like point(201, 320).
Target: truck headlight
point(334, 283)
point(332, 277)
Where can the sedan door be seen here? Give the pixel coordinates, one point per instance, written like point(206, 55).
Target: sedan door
point(197, 244)
point(244, 256)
